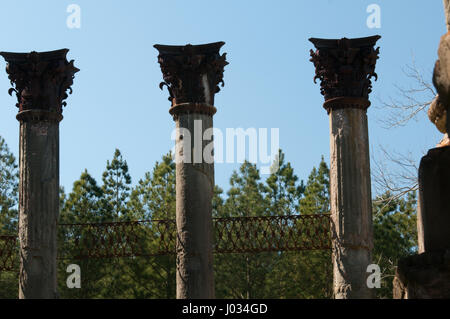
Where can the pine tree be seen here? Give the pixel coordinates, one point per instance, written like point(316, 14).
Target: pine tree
point(83, 204)
point(306, 274)
point(80, 206)
point(154, 198)
point(246, 195)
point(282, 190)
point(9, 184)
point(218, 202)
point(316, 198)
point(9, 180)
point(116, 188)
point(243, 275)
point(395, 235)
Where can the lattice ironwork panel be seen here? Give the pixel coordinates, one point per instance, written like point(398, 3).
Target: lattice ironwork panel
point(157, 237)
point(119, 239)
point(295, 248)
point(272, 233)
point(232, 235)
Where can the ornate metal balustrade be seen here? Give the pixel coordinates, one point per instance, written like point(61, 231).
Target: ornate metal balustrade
point(158, 237)
point(117, 239)
point(272, 233)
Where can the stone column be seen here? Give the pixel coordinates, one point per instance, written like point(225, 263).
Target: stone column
point(192, 74)
point(345, 68)
point(433, 214)
point(447, 13)
point(40, 80)
point(427, 275)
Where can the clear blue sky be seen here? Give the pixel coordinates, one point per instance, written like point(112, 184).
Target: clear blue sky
point(269, 82)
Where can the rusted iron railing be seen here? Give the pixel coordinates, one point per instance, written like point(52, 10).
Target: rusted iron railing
point(158, 237)
point(117, 239)
point(272, 233)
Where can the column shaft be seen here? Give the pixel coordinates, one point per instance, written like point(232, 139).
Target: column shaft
point(192, 74)
point(38, 208)
point(41, 80)
point(351, 206)
point(194, 191)
point(345, 67)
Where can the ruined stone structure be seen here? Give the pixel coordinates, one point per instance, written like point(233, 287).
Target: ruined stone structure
point(447, 13)
point(345, 68)
point(427, 275)
point(40, 83)
point(192, 73)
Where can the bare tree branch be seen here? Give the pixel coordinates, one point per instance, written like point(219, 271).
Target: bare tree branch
point(410, 101)
point(393, 171)
point(398, 178)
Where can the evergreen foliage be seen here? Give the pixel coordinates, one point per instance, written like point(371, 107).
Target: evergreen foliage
point(305, 274)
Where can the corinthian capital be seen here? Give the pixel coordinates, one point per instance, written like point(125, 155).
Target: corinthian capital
point(40, 79)
point(192, 73)
point(345, 68)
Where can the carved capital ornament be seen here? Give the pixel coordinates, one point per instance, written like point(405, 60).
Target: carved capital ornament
point(192, 73)
point(345, 68)
point(40, 81)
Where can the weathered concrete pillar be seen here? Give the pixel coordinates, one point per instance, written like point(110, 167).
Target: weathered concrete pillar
point(434, 170)
point(427, 275)
point(344, 68)
point(447, 13)
point(41, 81)
point(192, 74)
